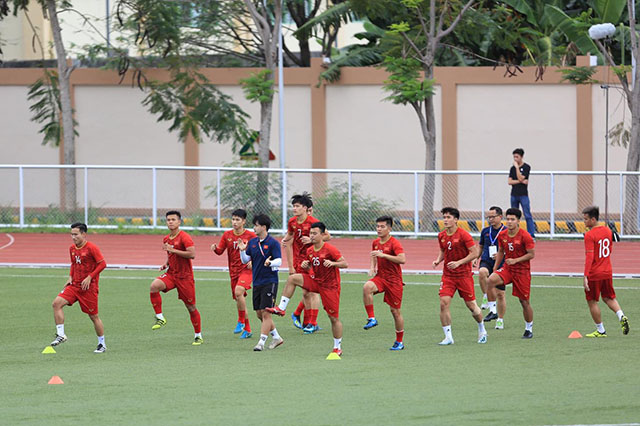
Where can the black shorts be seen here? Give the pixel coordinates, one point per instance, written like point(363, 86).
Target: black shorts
point(264, 296)
point(489, 266)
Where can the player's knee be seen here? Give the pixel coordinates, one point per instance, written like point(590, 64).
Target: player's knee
point(444, 304)
point(190, 308)
point(369, 287)
point(483, 273)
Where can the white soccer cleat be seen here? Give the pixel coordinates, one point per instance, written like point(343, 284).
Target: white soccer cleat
point(482, 338)
point(59, 339)
point(446, 341)
point(100, 349)
point(275, 343)
point(499, 324)
point(258, 348)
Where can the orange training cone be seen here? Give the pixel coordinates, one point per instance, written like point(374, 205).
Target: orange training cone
point(575, 334)
point(56, 380)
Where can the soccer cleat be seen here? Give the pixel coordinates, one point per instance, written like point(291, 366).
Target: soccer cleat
point(159, 324)
point(296, 321)
point(197, 341)
point(275, 343)
point(397, 346)
point(490, 316)
point(527, 334)
point(258, 348)
point(596, 334)
point(447, 341)
point(624, 323)
point(483, 338)
point(371, 322)
point(485, 303)
point(59, 339)
point(100, 349)
point(337, 351)
point(276, 311)
point(239, 328)
point(310, 329)
point(499, 324)
point(246, 334)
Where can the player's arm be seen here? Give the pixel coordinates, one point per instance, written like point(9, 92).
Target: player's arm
point(499, 256)
point(400, 258)
point(473, 253)
point(219, 248)
point(373, 266)
point(275, 259)
point(476, 261)
point(100, 266)
point(326, 236)
point(439, 259)
point(589, 253)
point(531, 253)
point(287, 243)
point(340, 263)
point(189, 253)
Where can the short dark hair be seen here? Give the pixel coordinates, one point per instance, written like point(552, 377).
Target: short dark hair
point(387, 219)
point(497, 209)
point(321, 226)
point(263, 220)
point(173, 212)
point(519, 151)
point(452, 211)
point(514, 212)
point(240, 213)
point(83, 227)
point(592, 211)
point(303, 199)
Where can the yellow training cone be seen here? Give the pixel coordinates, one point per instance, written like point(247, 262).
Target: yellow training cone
point(333, 356)
point(49, 350)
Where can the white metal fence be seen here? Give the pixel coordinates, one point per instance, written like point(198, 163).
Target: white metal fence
point(348, 201)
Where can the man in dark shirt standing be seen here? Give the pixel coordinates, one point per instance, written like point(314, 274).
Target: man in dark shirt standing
point(519, 180)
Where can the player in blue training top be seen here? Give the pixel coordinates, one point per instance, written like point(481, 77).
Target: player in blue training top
point(489, 248)
point(265, 255)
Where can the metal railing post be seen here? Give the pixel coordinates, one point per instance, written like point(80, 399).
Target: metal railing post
point(154, 196)
point(218, 180)
point(86, 195)
point(482, 202)
point(621, 203)
point(416, 209)
point(349, 200)
point(284, 201)
point(552, 219)
point(21, 194)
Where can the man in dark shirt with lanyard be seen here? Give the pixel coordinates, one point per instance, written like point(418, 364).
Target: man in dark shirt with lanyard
point(489, 248)
point(519, 180)
point(265, 255)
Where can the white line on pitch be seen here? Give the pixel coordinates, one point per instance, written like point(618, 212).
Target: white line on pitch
point(11, 240)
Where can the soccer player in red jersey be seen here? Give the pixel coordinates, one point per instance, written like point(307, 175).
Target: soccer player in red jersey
point(517, 248)
point(239, 272)
point(86, 264)
point(325, 260)
point(458, 250)
point(387, 255)
point(179, 275)
point(296, 243)
point(598, 274)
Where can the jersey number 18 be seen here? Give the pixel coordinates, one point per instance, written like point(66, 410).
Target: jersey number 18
point(604, 250)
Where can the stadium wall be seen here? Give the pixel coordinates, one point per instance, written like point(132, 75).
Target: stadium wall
point(481, 115)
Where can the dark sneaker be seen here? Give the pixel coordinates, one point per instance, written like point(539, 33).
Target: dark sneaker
point(527, 334)
point(490, 317)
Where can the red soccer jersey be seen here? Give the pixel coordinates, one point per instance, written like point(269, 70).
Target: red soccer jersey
point(299, 230)
point(597, 247)
point(229, 242)
point(515, 247)
point(388, 270)
point(456, 247)
point(84, 261)
point(327, 277)
point(180, 267)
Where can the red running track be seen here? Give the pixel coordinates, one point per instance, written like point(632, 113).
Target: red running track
point(554, 257)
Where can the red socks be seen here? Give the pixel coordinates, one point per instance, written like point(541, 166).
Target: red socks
point(247, 327)
point(156, 302)
point(195, 320)
point(369, 309)
point(242, 316)
point(299, 309)
point(313, 316)
point(399, 335)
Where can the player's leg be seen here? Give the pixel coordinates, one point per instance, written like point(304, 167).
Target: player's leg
point(476, 313)
point(526, 210)
point(58, 317)
point(515, 202)
point(295, 280)
point(493, 282)
point(99, 327)
point(312, 302)
point(240, 293)
point(295, 316)
point(445, 319)
point(194, 316)
point(522, 290)
point(609, 297)
point(398, 321)
point(596, 314)
point(336, 330)
point(527, 313)
point(368, 290)
point(157, 285)
point(483, 277)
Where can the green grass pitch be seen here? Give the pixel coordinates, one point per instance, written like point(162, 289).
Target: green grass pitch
point(160, 378)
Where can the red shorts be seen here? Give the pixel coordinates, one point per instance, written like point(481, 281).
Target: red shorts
point(88, 299)
point(392, 291)
point(330, 296)
point(598, 287)
point(242, 280)
point(186, 287)
point(521, 282)
point(464, 285)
